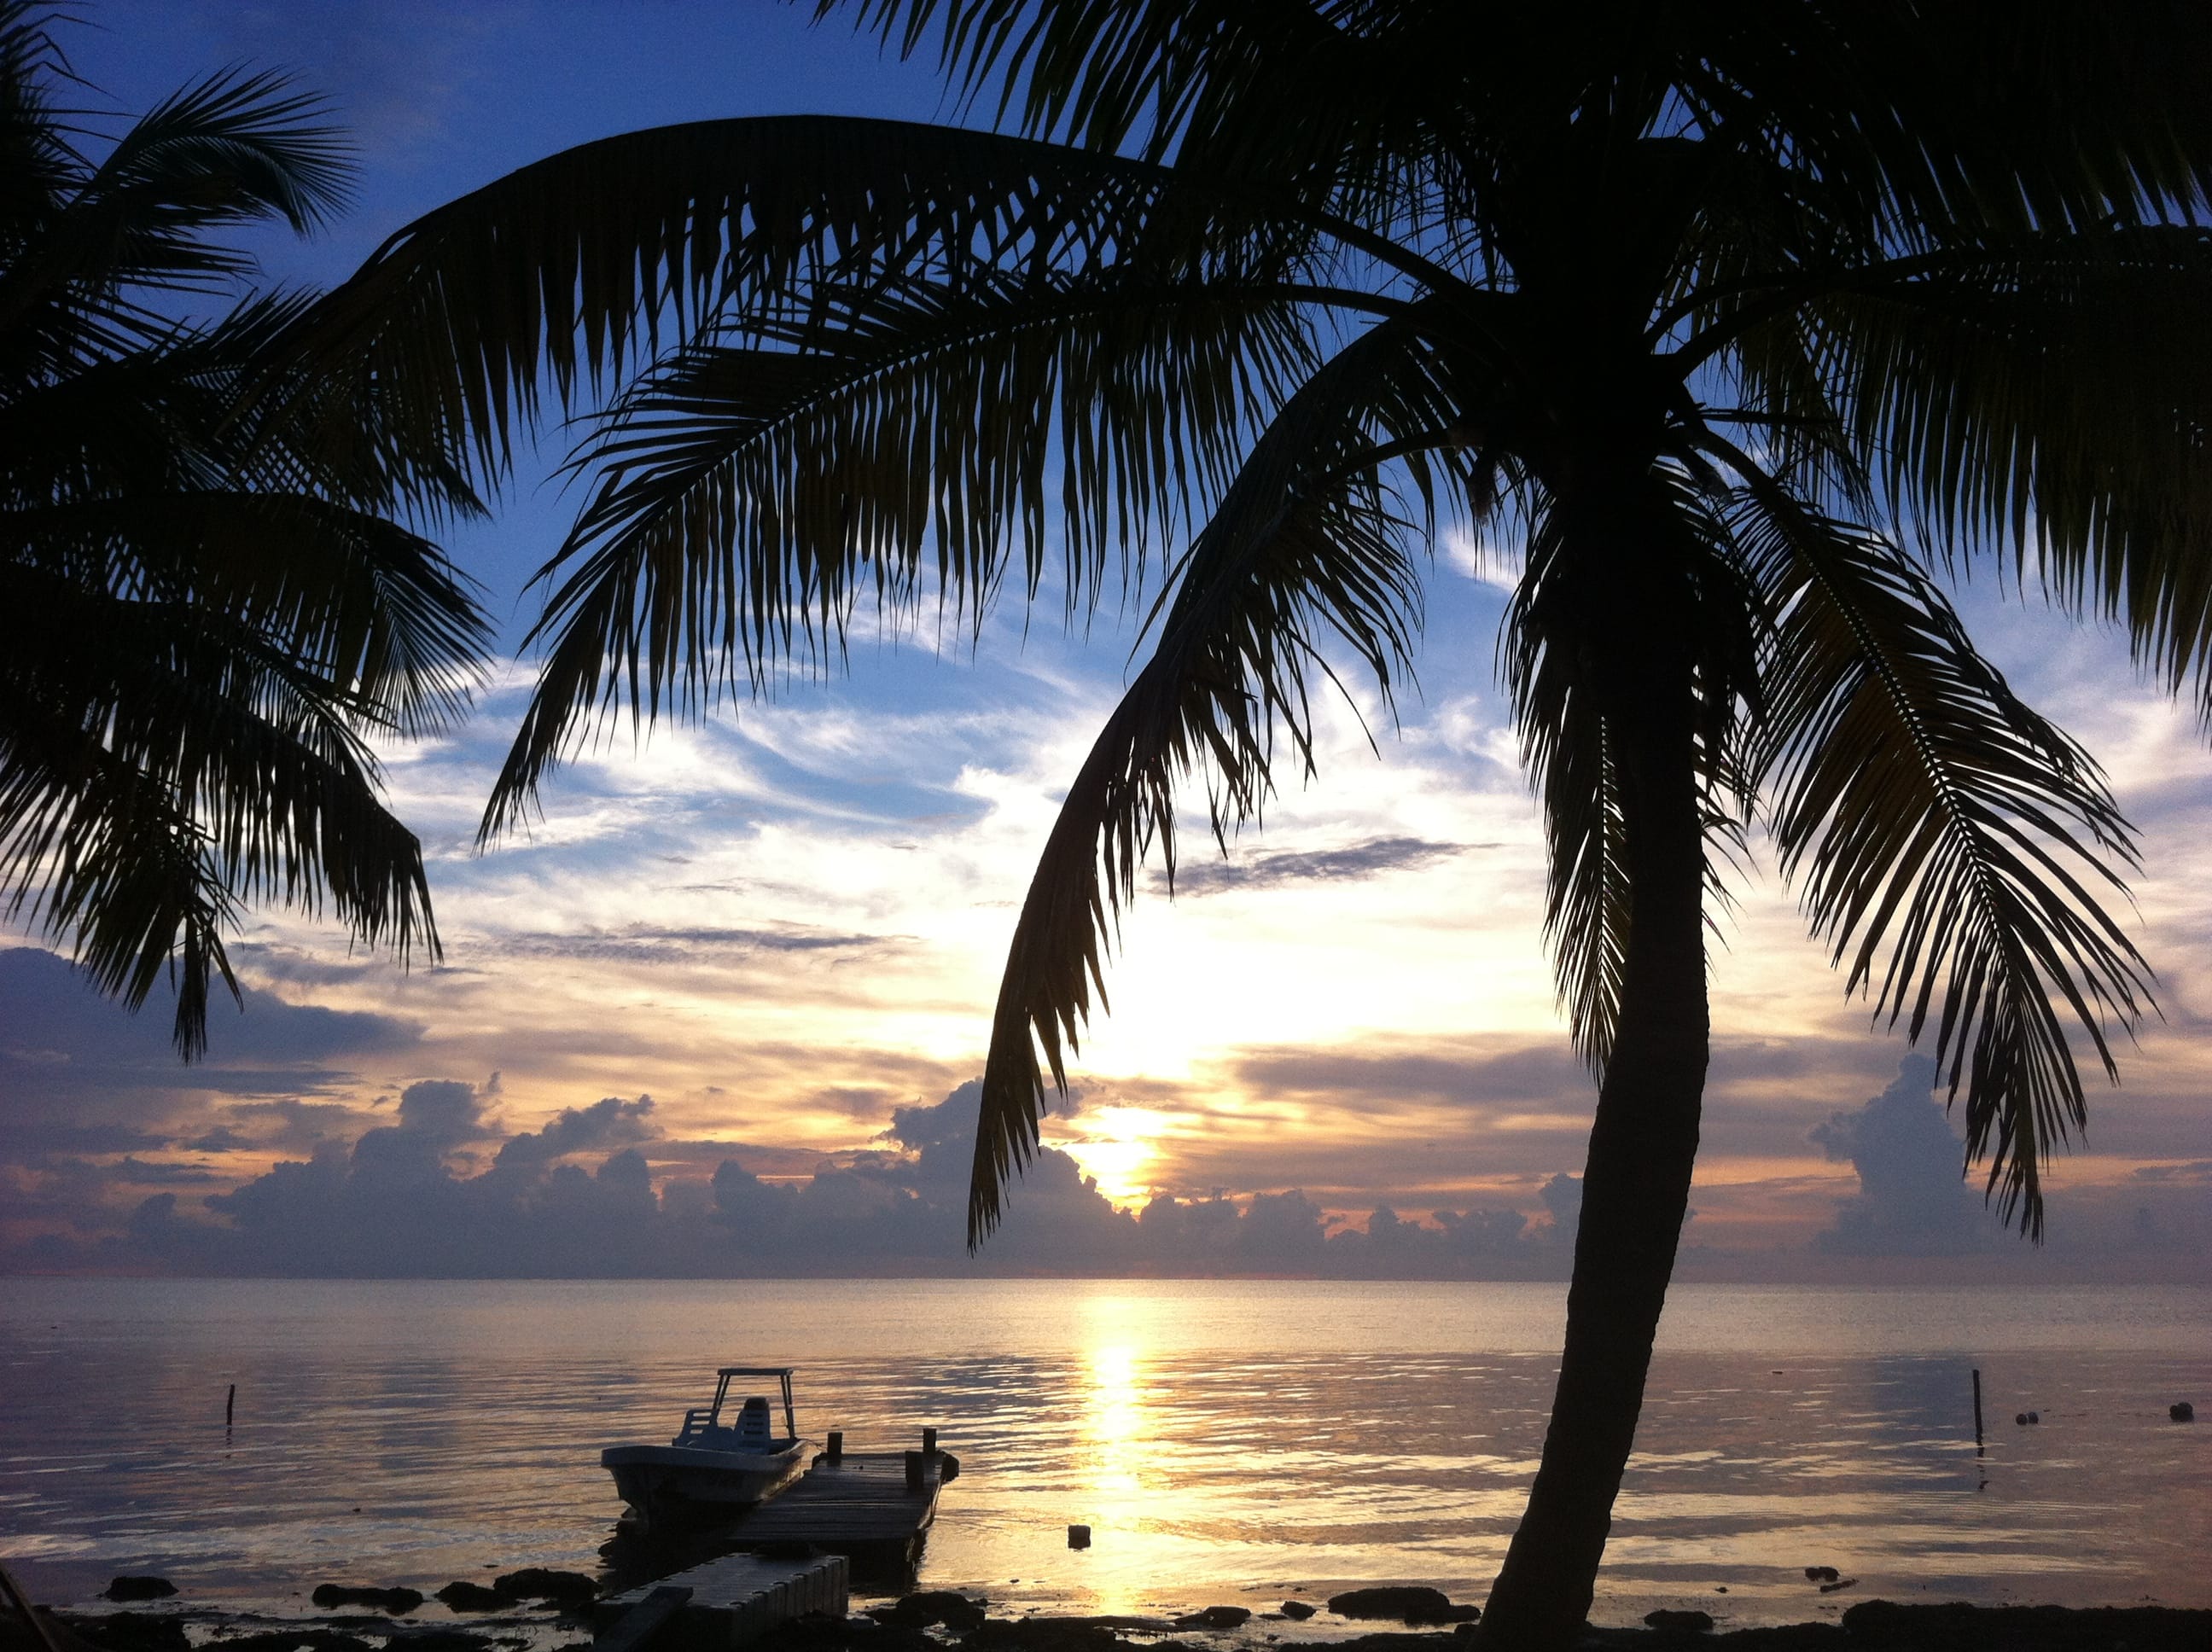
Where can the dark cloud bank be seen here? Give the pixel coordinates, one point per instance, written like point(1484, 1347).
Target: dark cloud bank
point(440, 1193)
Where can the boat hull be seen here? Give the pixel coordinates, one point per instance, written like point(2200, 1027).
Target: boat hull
point(673, 1485)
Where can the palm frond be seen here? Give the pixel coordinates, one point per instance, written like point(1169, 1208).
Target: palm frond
point(217, 611)
point(345, 598)
point(231, 146)
point(2051, 402)
point(606, 256)
point(230, 149)
point(1933, 817)
point(159, 768)
point(1305, 553)
point(1345, 109)
point(748, 492)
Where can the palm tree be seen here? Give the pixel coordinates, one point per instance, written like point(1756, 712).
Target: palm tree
point(209, 609)
point(1758, 319)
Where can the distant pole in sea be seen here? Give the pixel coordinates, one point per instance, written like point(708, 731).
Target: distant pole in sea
point(229, 1405)
point(1978, 1411)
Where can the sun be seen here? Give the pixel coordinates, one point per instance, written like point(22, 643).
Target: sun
point(1116, 1147)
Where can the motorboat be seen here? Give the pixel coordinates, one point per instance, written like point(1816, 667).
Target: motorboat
point(727, 1456)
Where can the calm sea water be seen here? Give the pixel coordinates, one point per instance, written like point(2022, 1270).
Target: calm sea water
point(1227, 1441)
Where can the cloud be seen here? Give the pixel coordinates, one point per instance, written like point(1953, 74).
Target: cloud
point(1475, 1073)
point(82, 1079)
point(1369, 858)
point(1480, 557)
point(650, 944)
point(62, 1029)
point(414, 1197)
point(1912, 1198)
point(609, 1122)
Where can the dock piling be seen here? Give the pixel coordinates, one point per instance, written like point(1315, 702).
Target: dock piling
point(917, 1465)
point(929, 1441)
point(836, 1441)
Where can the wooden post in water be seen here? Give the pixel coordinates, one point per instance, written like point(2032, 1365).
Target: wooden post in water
point(229, 1405)
point(836, 1445)
point(1978, 1411)
point(929, 1442)
point(915, 1460)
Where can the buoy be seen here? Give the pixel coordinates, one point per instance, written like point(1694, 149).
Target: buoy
point(2035, 1417)
point(2182, 1412)
point(1079, 1536)
point(2020, 1421)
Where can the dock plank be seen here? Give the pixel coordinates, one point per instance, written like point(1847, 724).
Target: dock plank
point(861, 1502)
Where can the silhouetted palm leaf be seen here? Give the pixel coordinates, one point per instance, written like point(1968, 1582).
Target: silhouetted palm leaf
point(1932, 816)
point(2050, 401)
point(1306, 552)
point(746, 492)
point(214, 610)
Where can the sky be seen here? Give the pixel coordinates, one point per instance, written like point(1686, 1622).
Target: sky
point(721, 1010)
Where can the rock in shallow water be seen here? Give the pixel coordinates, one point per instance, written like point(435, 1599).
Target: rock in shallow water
point(567, 1589)
point(396, 1601)
point(1700, 1623)
point(1299, 1610)
point(1408, 1604)
point(1215, 1618)
point(929, 1607)
point(462, 1595)
point(140, 1589)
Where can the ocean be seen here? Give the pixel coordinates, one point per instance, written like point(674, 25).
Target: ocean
point(1227, 1442)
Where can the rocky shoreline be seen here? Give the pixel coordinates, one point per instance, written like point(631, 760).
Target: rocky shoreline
point(554, 1620)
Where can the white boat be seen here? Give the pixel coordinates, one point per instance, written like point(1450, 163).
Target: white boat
point(717, 1465)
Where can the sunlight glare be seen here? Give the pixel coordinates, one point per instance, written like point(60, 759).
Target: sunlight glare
point(1118, 1432)
point(1118, 1146)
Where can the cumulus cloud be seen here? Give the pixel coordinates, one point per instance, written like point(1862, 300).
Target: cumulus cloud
point(1912, 1198)
point(608, 1123)
point(414, 1197)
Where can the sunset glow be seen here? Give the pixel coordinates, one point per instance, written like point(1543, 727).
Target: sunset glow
point(772, 941)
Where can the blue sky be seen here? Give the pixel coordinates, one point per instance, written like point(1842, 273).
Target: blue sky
point(785, 926)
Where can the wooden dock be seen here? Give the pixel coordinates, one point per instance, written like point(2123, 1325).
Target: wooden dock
point(724, 1603)
point(875, 1506)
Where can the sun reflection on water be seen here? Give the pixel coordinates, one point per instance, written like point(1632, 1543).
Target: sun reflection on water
point(1119, 1446)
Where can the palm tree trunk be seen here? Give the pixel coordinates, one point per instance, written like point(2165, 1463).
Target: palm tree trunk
point(1636, 1188)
